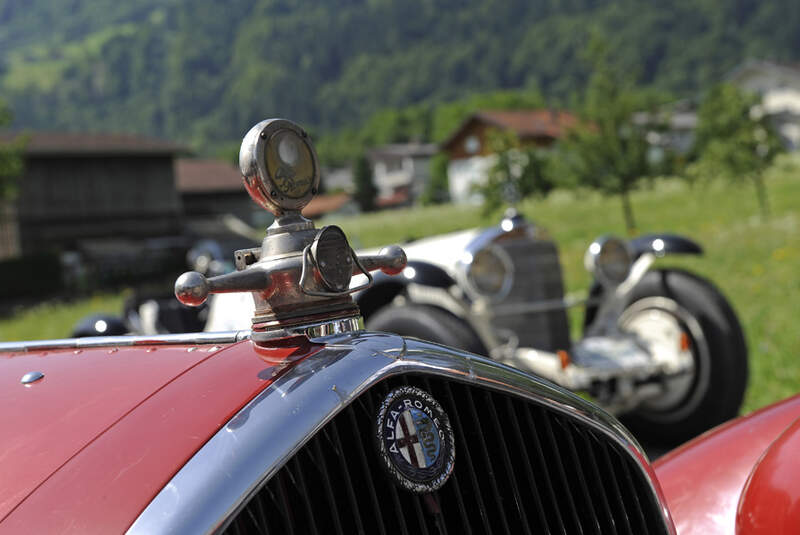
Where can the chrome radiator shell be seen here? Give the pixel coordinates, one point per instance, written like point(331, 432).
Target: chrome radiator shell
point(231, 467)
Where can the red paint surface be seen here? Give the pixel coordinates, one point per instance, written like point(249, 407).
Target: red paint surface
point(82, 394)
point(770, 503)
point(703, 480)
point(118, 469)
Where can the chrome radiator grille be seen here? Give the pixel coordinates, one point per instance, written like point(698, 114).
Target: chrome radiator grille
point(537, 277)
point(520, 468)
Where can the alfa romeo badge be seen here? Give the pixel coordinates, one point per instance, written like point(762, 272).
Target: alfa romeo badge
point(415, 440)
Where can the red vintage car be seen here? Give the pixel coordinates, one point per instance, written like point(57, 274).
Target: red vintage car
point(308, 424)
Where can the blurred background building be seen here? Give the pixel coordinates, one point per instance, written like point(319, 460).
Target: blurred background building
point(80, 187)
point(401, 172)
point(778, 85)
point(471, 155)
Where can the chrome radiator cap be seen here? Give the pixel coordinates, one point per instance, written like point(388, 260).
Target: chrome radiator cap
point(300, 276)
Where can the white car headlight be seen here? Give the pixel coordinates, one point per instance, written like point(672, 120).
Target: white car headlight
point(490, 272)
point(610, 259)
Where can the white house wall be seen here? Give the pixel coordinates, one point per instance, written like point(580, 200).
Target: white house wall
point(414, 171)
point(387, 181)
point(467, 173)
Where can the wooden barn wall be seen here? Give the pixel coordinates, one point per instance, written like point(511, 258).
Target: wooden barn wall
point(9, 231)
point(65, 199)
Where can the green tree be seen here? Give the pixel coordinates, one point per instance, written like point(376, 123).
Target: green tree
point(365, 190)
point(518, 172)
point(609, 149)
point(735, 140)
point(10, 160)
point(437, 190)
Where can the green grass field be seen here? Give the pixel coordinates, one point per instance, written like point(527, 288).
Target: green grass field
point(56, 320)
point(754, 262)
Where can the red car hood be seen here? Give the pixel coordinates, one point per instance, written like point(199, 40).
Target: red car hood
point(703, 481)
point(85, 448)
point(770, 502)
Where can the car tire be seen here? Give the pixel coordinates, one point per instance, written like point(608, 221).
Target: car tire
point(719, 350)
point(427, 323)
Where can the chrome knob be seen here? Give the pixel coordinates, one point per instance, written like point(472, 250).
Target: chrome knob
point(391, 260)
point(192, 288)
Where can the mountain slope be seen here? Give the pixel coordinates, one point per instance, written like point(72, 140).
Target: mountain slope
point(203, 71)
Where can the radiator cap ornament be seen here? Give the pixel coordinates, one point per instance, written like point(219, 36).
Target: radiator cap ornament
point(415, 440)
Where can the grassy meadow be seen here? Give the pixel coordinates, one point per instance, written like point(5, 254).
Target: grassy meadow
point(755, 262)
point(56, 319)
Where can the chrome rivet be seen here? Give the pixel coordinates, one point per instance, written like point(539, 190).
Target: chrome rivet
point(150, 349)
point(113, 350)
point(77, 352)
point(31, 377)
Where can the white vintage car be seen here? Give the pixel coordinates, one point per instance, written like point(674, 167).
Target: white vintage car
point(662, 347)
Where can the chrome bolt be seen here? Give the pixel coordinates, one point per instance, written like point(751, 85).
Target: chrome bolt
point(31, 377)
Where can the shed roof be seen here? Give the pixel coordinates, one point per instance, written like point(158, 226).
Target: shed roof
point(85, 144)
point(199, 175)
point(325, 204)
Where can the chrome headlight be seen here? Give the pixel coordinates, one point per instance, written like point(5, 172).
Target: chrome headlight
point(609, 259)
point(489, 272)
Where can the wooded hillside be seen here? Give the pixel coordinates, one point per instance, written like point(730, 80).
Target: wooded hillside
point(203, 71)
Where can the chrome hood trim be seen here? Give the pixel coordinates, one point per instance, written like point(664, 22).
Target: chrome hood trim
point(232, 466)
point(225, 337)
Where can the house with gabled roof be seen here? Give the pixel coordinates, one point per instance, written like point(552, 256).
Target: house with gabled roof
point(470, 156)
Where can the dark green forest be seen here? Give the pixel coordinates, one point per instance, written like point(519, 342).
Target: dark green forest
point(204, 71)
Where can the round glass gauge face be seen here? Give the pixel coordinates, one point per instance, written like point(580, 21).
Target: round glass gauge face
point(290, 164)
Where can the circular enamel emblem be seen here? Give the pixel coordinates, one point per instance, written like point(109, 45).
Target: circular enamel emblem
point(415, 439)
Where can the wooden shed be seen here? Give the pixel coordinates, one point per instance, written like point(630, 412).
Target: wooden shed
point(93, 186)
